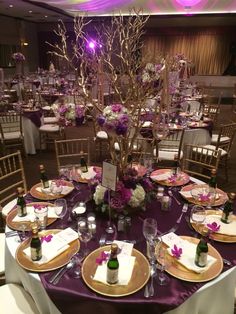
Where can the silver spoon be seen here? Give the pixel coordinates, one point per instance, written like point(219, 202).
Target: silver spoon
point(55, 278)
point(171, 195)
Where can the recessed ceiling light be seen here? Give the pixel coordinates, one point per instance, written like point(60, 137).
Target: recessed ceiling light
point(45, 16)
point(30, 11)
point(10, 5)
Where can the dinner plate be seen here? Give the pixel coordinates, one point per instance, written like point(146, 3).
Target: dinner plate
point(215, 235)
point(96, 169)
point(16, 225)
point(222, 196)
point(179, 271)
point(55, 263)
point(140, 275)
point(181, 179)
point(48, 196)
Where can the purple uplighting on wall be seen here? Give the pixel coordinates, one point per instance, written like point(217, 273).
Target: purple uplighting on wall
point(188, 3)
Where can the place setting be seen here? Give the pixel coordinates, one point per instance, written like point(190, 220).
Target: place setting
point(170, 177)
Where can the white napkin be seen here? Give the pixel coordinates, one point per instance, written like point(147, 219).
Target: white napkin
point(87, 175)
point(227, 229)
point(31, 215)
point(58, 244)
point(189, 252)
point(162, 177)
point(65, 189)
point(197, 191)
point(186, 194)
point(126, 265)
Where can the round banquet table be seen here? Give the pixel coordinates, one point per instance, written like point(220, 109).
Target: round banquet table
point(72, 295)
point(31, 121)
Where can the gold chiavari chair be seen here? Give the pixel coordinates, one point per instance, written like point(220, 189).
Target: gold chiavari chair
point(199, 161)
point(11, 133)
point(69, 152)
point(12, 176)
point(223, 142)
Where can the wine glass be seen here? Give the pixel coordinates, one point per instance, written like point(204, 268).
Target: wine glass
point(84, 233)
point(60, 208)
point(149, 231)
point(163, 262)
point(198, 215)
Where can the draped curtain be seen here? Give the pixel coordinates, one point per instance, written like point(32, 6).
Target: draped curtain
point(208, 51)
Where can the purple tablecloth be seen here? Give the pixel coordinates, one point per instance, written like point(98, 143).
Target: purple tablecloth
point(34, 116)
point(72, 295)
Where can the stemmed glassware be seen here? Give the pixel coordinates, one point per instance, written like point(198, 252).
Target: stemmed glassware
point(162, 259)
point(60, 208)
point(149, 231)
point(84, 233)
point(198, 215)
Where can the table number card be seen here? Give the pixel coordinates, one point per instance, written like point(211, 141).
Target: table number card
point(109, 175)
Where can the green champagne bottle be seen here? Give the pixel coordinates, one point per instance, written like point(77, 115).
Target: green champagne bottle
point(83, 165)
point(21, 205)
point(201, 253)
point(35, 245)
point(43, 177)
point(113, 265)
point(227, 213)
point(212, 183)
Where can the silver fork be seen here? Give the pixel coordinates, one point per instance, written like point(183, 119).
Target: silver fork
point(178, 221)
point(172, 195)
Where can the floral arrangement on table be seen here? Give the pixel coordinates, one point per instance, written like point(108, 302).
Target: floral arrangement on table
point(131, 193)
point(68, 113)
point(115, 118)
point(152, 72)
point(18, 57)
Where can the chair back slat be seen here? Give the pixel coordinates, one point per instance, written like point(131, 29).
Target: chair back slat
point(69, 152)
point(199, 161)
point(11, 176)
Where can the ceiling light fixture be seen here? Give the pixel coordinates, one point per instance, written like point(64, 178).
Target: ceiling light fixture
point(10, 5)
point(30, 11)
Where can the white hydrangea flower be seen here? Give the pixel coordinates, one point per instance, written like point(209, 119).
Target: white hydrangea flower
point(99, 194)
point(137, 197)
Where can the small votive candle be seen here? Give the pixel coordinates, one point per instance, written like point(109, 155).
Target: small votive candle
point(92, 227)
point(165, 203)
point(91, 217)
point(160, 192)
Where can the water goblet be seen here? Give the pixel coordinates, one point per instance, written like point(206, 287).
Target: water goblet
point(22, 228)
point(85, 234)
point(60, 208)
point(198, 215)
point(163, 262)
point(149, 231)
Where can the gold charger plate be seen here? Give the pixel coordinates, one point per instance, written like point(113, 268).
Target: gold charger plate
point(82, 180)
point(215, 236)
point(139, 278)
point(47, 197)
point(55, 263)
point(179, 271)
point(220, 201)
point(181, 181)
point(16, 225)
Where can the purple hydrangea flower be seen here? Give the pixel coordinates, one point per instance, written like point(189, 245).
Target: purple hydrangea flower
point(101, 120)
point(116, 108)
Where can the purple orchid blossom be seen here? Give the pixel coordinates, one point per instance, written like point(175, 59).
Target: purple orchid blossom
point(102, 258)
point(46, 238)
point(176, 252)
point(214, 227)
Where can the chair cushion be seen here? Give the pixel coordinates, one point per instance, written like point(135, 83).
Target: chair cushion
point(102, 135)
point(11, 135)
point(2, 253)
point(223, 139)
point(204, 151)
point(49, 128)
point(167, 154)
point(15, 299)
point(49, 120)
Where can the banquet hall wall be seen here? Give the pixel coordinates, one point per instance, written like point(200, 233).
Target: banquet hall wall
point(204, 40)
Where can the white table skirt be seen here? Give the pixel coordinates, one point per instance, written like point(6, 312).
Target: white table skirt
point(31, 136)
point(215, 297)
